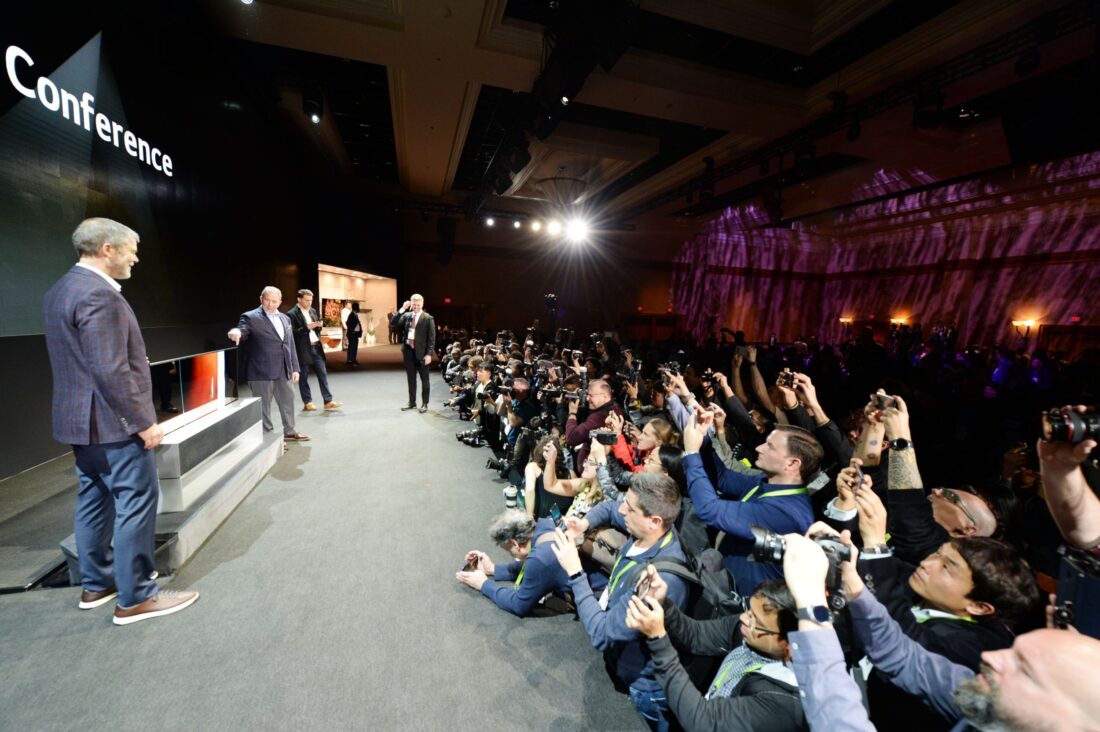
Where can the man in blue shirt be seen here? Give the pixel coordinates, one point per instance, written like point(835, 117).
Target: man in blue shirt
point(774, 496)
point(647, 513)
point(535, 572)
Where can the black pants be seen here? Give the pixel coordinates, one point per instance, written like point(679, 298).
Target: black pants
point(413, 365)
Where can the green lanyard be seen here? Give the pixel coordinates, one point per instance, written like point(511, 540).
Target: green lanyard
point(626, 568)
point(774, 494)
point(519, 577)
point(725, 672)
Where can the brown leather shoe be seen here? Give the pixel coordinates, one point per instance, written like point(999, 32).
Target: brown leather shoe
point(164, 602)
point(89, 599)
point(296, 438)
point(309, 407)
point(333, 405)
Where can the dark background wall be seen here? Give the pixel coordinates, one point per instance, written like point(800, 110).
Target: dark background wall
point(241, 211)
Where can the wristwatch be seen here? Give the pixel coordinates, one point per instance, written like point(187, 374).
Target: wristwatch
point(900, 444)
point(816, 613)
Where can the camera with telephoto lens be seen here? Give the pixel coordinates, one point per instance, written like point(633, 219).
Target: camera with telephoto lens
point(1067, 425)
point(604, 437)
point(771, 547)
point(785, 378)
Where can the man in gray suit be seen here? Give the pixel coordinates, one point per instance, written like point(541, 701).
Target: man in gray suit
point(266, 338)
point(103, 407)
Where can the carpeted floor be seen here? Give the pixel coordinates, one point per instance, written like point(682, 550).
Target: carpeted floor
point(328, 603)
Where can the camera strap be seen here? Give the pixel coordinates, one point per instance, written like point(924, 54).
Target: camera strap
point(617, 574)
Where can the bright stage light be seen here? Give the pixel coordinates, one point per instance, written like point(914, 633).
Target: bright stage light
point(536, 225)
point(315, 118)
point(554, 227)
point(576, 231)
point(490, 221)
point(516, 224)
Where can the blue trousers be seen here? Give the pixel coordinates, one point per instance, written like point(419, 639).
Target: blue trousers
point(317, 361)
point(117, 499)
point(653, 706)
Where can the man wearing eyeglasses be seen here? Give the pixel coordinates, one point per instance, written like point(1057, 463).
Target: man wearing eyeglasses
point(754, 687)
point(600, 402)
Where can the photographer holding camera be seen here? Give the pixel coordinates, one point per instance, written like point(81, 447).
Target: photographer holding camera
point(600, 402)
point(754, 688)
point(1069, 439)
point(534, 571)
point(647, 513)
point(1043, 682)
point(773, 496)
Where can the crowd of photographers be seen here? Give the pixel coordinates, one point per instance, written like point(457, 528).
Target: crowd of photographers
point(748, 536)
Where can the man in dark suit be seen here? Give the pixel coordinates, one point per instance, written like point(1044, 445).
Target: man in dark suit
point(306, 324)
point(271, 362)
point(103, 407)
point(417, 332)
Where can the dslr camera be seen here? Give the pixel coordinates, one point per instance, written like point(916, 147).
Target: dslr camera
point(771, 547)
point(1068, 426)
point(785, 378)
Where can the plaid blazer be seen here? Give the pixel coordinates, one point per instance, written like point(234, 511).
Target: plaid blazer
point(102, 390)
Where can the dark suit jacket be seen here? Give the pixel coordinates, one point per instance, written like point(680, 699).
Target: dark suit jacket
point(102, 390)
point(425, 331)
point(268, 356)
point(301, 332)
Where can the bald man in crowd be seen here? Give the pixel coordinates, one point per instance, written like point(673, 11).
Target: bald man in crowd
point(266, 338)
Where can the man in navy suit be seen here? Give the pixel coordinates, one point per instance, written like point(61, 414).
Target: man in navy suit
point(271, 364)
point(103, 407)
point(417, 330)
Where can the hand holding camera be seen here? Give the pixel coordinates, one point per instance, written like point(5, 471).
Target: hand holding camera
point(614, 422)
point(1069, 435)
point(872, 517)
point(895, 415)
point(646, 615)
point(849, 482)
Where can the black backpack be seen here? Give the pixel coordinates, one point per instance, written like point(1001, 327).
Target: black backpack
point(712, 592)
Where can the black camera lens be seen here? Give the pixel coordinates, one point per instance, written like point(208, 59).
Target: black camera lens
point(768, 546)
point(1070, 426)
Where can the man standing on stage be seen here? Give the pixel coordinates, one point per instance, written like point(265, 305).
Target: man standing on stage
point(306, 324)
point(103, 407)
point(272, 362)
point(417, 332)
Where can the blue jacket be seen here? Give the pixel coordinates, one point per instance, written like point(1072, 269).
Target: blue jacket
point(541, 575)
point(748, 499)
point(625, 650)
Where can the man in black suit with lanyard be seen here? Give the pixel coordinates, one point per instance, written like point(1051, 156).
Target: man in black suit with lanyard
point(417, 330)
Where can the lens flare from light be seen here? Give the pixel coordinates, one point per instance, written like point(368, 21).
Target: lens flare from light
point(576, 231)
point(490, 221)
point(554, 227)
point(536, 225)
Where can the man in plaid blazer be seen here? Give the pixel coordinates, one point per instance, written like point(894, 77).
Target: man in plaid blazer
point(103, 407)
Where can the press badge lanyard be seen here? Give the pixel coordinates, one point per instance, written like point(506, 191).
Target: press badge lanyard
point(626, 568)
point(774, 494)
point(725, 672)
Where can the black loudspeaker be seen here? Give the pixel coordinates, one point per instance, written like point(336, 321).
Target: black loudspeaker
point(446, 229)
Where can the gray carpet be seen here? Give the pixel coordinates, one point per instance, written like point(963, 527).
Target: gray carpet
point(328, 603)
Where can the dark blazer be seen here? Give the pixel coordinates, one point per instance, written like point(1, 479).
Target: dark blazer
point(268, 356)
point(102, 390)
point(425, 331)
point(301, 332)
point(355, 328)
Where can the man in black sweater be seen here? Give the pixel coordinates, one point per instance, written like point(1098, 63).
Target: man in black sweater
point(755, 687)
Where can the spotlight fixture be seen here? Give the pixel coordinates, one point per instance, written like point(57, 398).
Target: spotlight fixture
point(312, 103)
point(576, 231)
point(554, 227)
point(846, 321)
point(246, 2)
point(536, 225)
point(898, 320)
point(490, 221)
point(516, 224)
point(564, 101)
